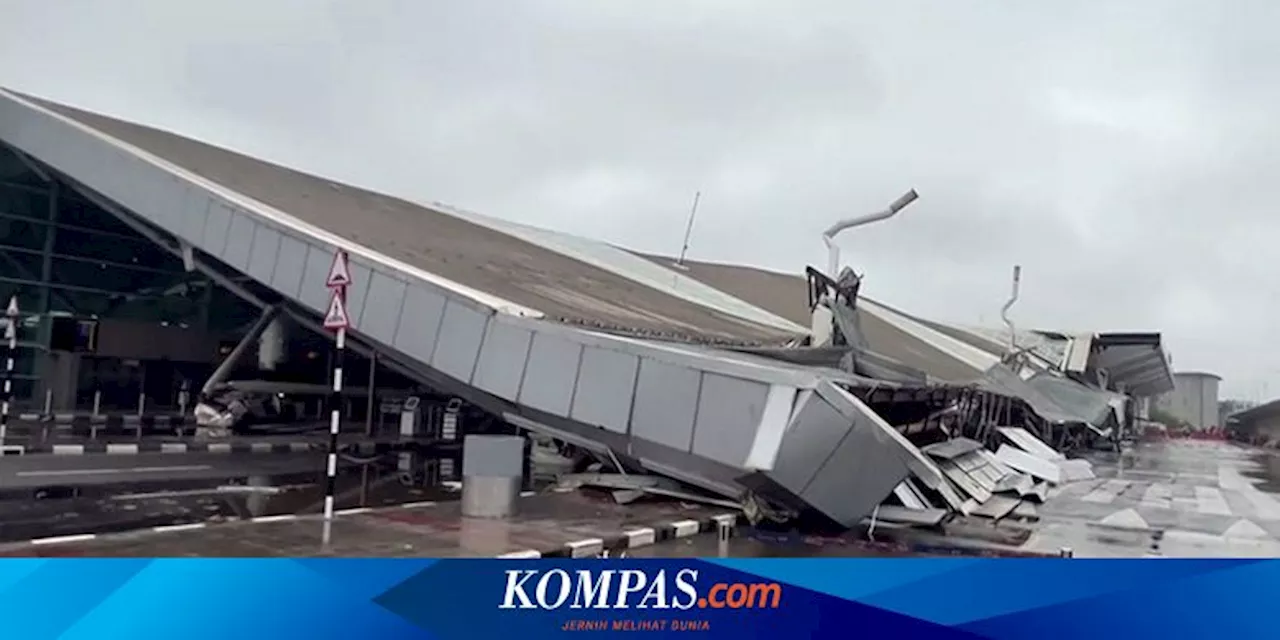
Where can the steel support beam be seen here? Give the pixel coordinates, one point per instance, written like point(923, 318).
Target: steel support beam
point(255, 331)
point(31, 164)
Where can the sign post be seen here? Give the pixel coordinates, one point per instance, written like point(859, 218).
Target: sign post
point(11, 343)
point(336, 320)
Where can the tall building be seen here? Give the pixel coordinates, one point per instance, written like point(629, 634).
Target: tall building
point(1194, 399)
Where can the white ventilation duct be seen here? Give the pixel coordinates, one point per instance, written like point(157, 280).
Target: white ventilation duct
point(273, 345)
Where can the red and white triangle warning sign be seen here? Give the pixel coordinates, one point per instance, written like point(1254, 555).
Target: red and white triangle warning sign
point(339, 271)
point(336, 317)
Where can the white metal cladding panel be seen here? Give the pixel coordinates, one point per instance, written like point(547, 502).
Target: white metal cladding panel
point(169, 202)
point(458, 347)
point(239, 241)
point(358, 292)
point(606, 385)
point(814, 433)
point(666, 403)
point(194, 215)
point(262, 254)
point(316, 270)
point(550, 373)
point(382, 305)
point(857, 475)
point(217, 225)
point(419, 323)
point(287, 278)
point(503, 354)
point(729, 412)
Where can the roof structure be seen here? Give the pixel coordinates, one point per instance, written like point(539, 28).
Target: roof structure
point(554, 333)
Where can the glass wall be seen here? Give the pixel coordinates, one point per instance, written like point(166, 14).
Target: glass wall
point(62, 255)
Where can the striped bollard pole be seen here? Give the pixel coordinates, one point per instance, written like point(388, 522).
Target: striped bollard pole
point(337, 320)
point(11, 343)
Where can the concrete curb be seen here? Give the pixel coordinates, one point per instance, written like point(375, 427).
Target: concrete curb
point(219, 447)
point(191, 526)
point(629, 539)
point(135, 448)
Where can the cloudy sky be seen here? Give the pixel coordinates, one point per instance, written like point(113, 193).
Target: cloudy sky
point(1123, 152)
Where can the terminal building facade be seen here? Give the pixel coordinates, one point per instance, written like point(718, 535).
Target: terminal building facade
point(142, 258)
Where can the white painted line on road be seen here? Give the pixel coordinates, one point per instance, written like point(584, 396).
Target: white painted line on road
point(60, 539)
point(173, 447)
point(300, 447)
point(220, 447)
point(279, 518)
point(68, 449)
point(352, 511)
point(179, 527)
point(417, 505)
point(260, 447)
point(122, 448)
point(1210, 501)
point(528, 494)
point(91, 472)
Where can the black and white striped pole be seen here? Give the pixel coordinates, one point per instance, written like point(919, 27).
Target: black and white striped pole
point(336, 320)
point(11, 344)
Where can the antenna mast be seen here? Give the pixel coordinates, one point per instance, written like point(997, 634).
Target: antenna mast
point(688, 231)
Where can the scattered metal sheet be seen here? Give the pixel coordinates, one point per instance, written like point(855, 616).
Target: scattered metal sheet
point(1019, 484)
point(952, 497)
point(979, 477)
point(1026, 511)
point(966, 483)
point(616, 481)
point(1030, 444)
point(900, 515)
point(1039, 493)
point(952, 449)
point(908, 496)
point(1077, 469)
point(1025, 462)
point(997, 507)
point(995, 463)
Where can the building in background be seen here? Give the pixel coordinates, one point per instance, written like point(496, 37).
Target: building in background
point(1194, 399)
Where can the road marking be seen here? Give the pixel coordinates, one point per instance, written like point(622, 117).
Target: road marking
point(90, 472)
point(178, 527)
point(60, 539)
point(1209, 501)
point(1107, 492)
point(279, 518)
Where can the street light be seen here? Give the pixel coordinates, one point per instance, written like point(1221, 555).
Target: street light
point(828, 236)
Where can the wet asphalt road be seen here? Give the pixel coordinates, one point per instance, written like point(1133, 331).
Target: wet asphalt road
point(32, 471)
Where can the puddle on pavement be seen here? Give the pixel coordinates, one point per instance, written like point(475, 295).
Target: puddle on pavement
point(122, 507)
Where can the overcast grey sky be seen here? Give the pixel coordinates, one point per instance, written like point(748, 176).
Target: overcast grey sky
point(1123, 152)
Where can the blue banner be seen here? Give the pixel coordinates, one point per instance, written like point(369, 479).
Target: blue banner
point(142, 599)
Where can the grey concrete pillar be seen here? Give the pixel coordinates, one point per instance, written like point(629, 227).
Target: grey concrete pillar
point(492, 469)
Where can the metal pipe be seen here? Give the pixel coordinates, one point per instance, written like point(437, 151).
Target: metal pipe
point(220, 374)
point(1004, 311)
point(372, 397)
point(828, 236)
point(97, 402)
